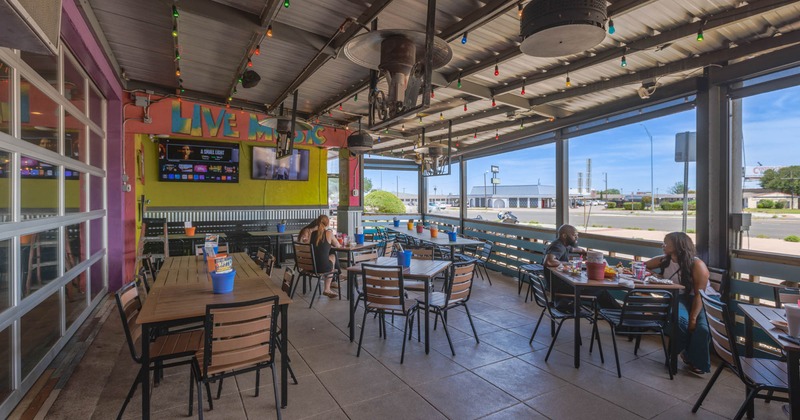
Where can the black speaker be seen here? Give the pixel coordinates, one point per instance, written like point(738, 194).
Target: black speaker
point(250, 79)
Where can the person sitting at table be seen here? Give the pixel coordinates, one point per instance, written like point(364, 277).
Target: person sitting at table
point(304, 236)
point(558, 252)
point(680, 264)
point(324, 257)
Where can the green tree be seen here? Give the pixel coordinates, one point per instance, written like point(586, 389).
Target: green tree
point(611, 191)
point(367, 185)
point(384, 202)
point(678, 188)
point(785, 180)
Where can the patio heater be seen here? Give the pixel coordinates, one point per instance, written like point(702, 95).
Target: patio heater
point(284, 126)
point(555, 28)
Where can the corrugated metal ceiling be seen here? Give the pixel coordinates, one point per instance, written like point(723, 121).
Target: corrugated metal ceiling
point(214, 49)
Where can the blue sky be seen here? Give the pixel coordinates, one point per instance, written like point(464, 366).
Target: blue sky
point(771, 129)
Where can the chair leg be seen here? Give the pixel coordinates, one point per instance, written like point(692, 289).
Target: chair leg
point(746, 404)
point(707, 388)
point(596, 334)
point(130, 395)
point(536, 328)
point(519, 282)
point(316, 290)
point(275, 389)
point(219, 387)
point(199, 400)
point(666, 352)
point(486, 270)
point(471, 324)
point(616, 354)
point(769, 397)
point(192, 380)
point(361, 335)
point(258, 381)
point(636, 346)
point(447, 333)
point(553, 341)
point(403, 352)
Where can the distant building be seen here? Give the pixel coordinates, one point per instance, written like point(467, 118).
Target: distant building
point(513, 196)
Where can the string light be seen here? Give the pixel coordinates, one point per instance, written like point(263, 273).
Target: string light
point(475, 136)
point(459, 80)
point(355, 98)
point(258, 50)
point(177, 55)
point(174, 31)
point(441, 116)
point(340, 107)
point(230, 98)
point(464, 39)
point(496, 69)
point(523, 87)
point(178, 71)
point(521, 124)
point(175, 12)
point(497, 135)
point(420, 120)
point(611, 28)
point(569, 83)
point(249, 63)
point(433, 95)
point(269, 31)
point(493, 102)
point(286, 4)
point(240, 79)
point(700, 35)
point(403, 127)
point(465, 107)
point(519, 9)
point(623, 62)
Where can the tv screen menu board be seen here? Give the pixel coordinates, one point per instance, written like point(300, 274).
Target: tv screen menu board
point(290, 168)
point(196, 161)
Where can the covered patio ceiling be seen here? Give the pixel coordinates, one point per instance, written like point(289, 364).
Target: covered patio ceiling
point(216, 38)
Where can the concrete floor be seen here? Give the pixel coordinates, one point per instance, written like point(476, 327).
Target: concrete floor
point(502, 377)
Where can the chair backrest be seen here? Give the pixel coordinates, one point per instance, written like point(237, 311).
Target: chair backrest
point(141, 280)
point(371, 254)
point(261, 256)
point(304, 258)
point(539, 291)
point(239, 335)
point(422, 253)
point(387, 250)
point(129, 305)
point(269, 263)
point(459, 287)
point(288, 280)
point(718, 277)
point(646, 305)
point(719, 323)
point(383, 287)
point(785, 295)
point(486, 251)
point(149, 265)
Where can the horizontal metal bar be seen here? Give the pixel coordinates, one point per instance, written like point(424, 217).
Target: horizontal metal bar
point(26, 227)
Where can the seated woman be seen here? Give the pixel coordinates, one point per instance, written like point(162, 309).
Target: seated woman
point(324, 257)
point(304, 236)
point(681, 265)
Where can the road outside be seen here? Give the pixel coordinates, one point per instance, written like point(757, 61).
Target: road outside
point(766, 233)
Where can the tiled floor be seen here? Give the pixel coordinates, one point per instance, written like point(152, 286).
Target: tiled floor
point(503, 377)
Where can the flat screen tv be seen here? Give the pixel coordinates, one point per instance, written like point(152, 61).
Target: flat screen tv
point(198, 161)
point(290, 168)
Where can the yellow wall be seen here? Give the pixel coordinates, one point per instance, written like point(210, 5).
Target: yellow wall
point(248, 192)
point(41, 193)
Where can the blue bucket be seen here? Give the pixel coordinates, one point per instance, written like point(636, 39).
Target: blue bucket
point(222, 283)
point(281, 228)
point(360, 238)
point(396, 223)
point(205, 256)
point(404, 259)
point(452, 236)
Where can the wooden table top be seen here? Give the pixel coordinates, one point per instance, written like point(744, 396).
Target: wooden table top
point(419, 270)
point(175, 236)
point(761, 315)
point(353, 246)
point(441, 239)
point(183, 288)
point(260, 233)
point(583, 281)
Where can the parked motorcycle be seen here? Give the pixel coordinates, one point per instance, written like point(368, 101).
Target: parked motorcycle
point(507, 217)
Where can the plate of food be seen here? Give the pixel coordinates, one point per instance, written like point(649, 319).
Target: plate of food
point(780, 324)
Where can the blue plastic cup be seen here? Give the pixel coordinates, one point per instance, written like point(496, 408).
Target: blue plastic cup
point(360, 238)
point(281, 228)
point(396, 223)
point(452, 236)
point(404, 259)
point(222, 283)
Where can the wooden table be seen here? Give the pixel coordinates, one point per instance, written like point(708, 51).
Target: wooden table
point(422, 270)
point(193, 239)
point(761, 315)
point(441, 240)
point(180, 295)
point(354, 247)
point(277, 235)
point(580, 282)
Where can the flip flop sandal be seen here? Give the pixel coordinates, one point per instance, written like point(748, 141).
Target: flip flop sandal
point(330, 294)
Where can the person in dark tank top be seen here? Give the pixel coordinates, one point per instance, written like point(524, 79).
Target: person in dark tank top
point(325, 259)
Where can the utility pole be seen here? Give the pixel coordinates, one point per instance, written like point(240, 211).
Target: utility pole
point(485, 204)
point(397, 185)
point(605, 176)
point(652, 199)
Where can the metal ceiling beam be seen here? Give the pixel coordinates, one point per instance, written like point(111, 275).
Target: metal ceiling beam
point(620, 7)
point(269, 12)
point(706, 23)
point(478, 17)
point(487, 113)
point(719, 56)
point(336, 41)
point(91, 18)
point(767, 63)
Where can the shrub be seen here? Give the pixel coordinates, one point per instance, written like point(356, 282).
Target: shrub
point(384, 202)
point(632, 206)
point(665, 205)
point(765, 204)
point(792, 238)
point(690, 231)
point(780, 204)
point(612, 205)
point(692, 205)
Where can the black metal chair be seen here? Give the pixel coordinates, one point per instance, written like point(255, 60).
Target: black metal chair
point(457, 292)
point(165, 350)
point(307, 268)
point(549, 308)
point(644, 312)
point(524, 273)
point(758, 375)
point(239, 338)
point(481, 259)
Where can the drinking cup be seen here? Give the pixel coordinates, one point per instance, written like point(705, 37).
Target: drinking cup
point(639, 270)
point(793, 319)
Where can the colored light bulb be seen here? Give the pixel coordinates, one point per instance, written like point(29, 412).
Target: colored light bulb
point(496, 70)
point(700, 35)
point(464, 39)
point(174, 12)
point(174, 31)
point(569, 83)
point(441, 116)
point(465, 107)
point(623, 62)
point(493, 102)
point(286, 4)
point(269, 31)
point(611, 28)
point(258, 50)
point(249, 63)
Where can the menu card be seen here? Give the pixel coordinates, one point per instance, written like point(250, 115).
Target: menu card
point(212, 239)
point(223, 264)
